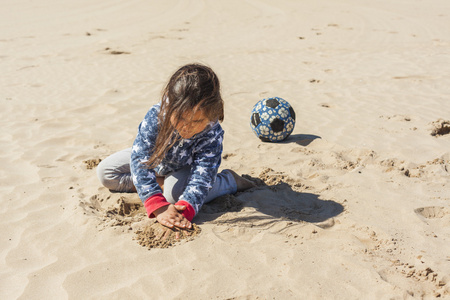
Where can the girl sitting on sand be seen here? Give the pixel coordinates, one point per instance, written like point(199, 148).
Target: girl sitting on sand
point(177, 151)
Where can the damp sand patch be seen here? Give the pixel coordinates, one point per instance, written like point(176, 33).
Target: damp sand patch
point(92, 163)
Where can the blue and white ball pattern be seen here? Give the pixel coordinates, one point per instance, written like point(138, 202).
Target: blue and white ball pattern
point(273, 119)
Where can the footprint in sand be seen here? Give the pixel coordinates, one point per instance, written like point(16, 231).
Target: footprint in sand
point(430, 280)
point(432, 212)
point(436, 215)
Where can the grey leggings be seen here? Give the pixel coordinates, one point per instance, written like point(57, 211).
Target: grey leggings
point(114, 173)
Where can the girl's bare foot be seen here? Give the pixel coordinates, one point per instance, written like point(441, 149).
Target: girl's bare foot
point(242, 183)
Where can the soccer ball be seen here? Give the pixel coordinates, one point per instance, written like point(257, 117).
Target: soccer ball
point(273, 119)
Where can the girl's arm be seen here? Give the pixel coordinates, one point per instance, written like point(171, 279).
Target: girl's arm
point(144, 178)
point(206, 162)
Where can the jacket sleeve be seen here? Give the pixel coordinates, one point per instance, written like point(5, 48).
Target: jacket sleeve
point(206, 161)
point(144, 178)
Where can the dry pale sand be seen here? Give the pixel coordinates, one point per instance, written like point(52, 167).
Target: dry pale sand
point(355, 205)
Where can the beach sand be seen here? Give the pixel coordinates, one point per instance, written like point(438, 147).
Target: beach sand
point(354, 205)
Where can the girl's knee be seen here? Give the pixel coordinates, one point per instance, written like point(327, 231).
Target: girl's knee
point(105, 176)
point(114, 172)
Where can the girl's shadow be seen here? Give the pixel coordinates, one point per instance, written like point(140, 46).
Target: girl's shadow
point(270, 203)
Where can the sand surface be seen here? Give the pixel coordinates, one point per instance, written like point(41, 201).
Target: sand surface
point(354, 205)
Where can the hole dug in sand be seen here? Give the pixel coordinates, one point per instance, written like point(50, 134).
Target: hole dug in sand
point(125, 212)
point(156, 235)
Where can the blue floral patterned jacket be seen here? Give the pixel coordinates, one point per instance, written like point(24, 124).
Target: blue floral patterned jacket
point(202, 152)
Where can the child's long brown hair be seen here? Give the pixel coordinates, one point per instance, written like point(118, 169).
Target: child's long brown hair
point(192, 87)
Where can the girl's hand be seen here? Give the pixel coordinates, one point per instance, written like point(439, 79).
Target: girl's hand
point(170, 216)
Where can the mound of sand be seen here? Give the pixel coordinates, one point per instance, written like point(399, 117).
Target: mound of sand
point(159, 236)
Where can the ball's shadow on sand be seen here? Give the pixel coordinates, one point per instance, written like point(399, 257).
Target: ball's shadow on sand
point(301, 139)
point(271, 203)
